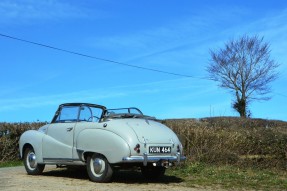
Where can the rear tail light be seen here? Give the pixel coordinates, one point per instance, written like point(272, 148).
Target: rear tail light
point(178, 149)
point(137, 148)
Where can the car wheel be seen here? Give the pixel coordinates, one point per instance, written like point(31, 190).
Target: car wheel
point(151, 172)
point(30, 162)
point(99, 169)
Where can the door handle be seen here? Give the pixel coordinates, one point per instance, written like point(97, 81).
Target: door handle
point(70, 129)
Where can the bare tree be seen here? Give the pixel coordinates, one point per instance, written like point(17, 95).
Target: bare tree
point(245, 68)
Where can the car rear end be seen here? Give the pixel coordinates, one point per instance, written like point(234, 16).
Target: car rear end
point(157, 144)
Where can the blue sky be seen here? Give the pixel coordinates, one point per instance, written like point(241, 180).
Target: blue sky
point(173, 36)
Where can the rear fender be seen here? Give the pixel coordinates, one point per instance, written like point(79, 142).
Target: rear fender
point(104, 142)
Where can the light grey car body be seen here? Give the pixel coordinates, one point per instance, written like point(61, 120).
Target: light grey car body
point(79, 130)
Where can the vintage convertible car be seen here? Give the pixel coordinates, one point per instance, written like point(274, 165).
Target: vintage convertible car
point(103, 140)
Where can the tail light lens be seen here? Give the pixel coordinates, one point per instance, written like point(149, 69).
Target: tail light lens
point(137, 148)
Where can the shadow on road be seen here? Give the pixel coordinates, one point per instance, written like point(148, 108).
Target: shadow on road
point(122, 176)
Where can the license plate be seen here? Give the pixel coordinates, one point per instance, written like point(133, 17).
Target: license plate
point(154, 149)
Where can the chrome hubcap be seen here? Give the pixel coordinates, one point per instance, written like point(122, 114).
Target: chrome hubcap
point(32, 160)
point(98, 166)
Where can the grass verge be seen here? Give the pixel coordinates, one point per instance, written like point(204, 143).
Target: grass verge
point(230, 177)
point(11, 163)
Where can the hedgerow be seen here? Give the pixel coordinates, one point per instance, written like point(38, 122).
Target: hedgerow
point(222, 140)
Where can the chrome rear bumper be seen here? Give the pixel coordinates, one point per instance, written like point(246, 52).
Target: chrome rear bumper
point(148, 158)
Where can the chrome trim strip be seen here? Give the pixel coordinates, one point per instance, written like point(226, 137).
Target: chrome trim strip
point(62, 161)
point(59, 159)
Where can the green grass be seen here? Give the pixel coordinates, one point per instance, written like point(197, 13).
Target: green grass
point(230, 177)
point(11, 163)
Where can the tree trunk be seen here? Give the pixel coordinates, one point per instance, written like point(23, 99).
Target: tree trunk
point(240, 107)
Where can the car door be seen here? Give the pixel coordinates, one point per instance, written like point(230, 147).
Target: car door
point(58, 143)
